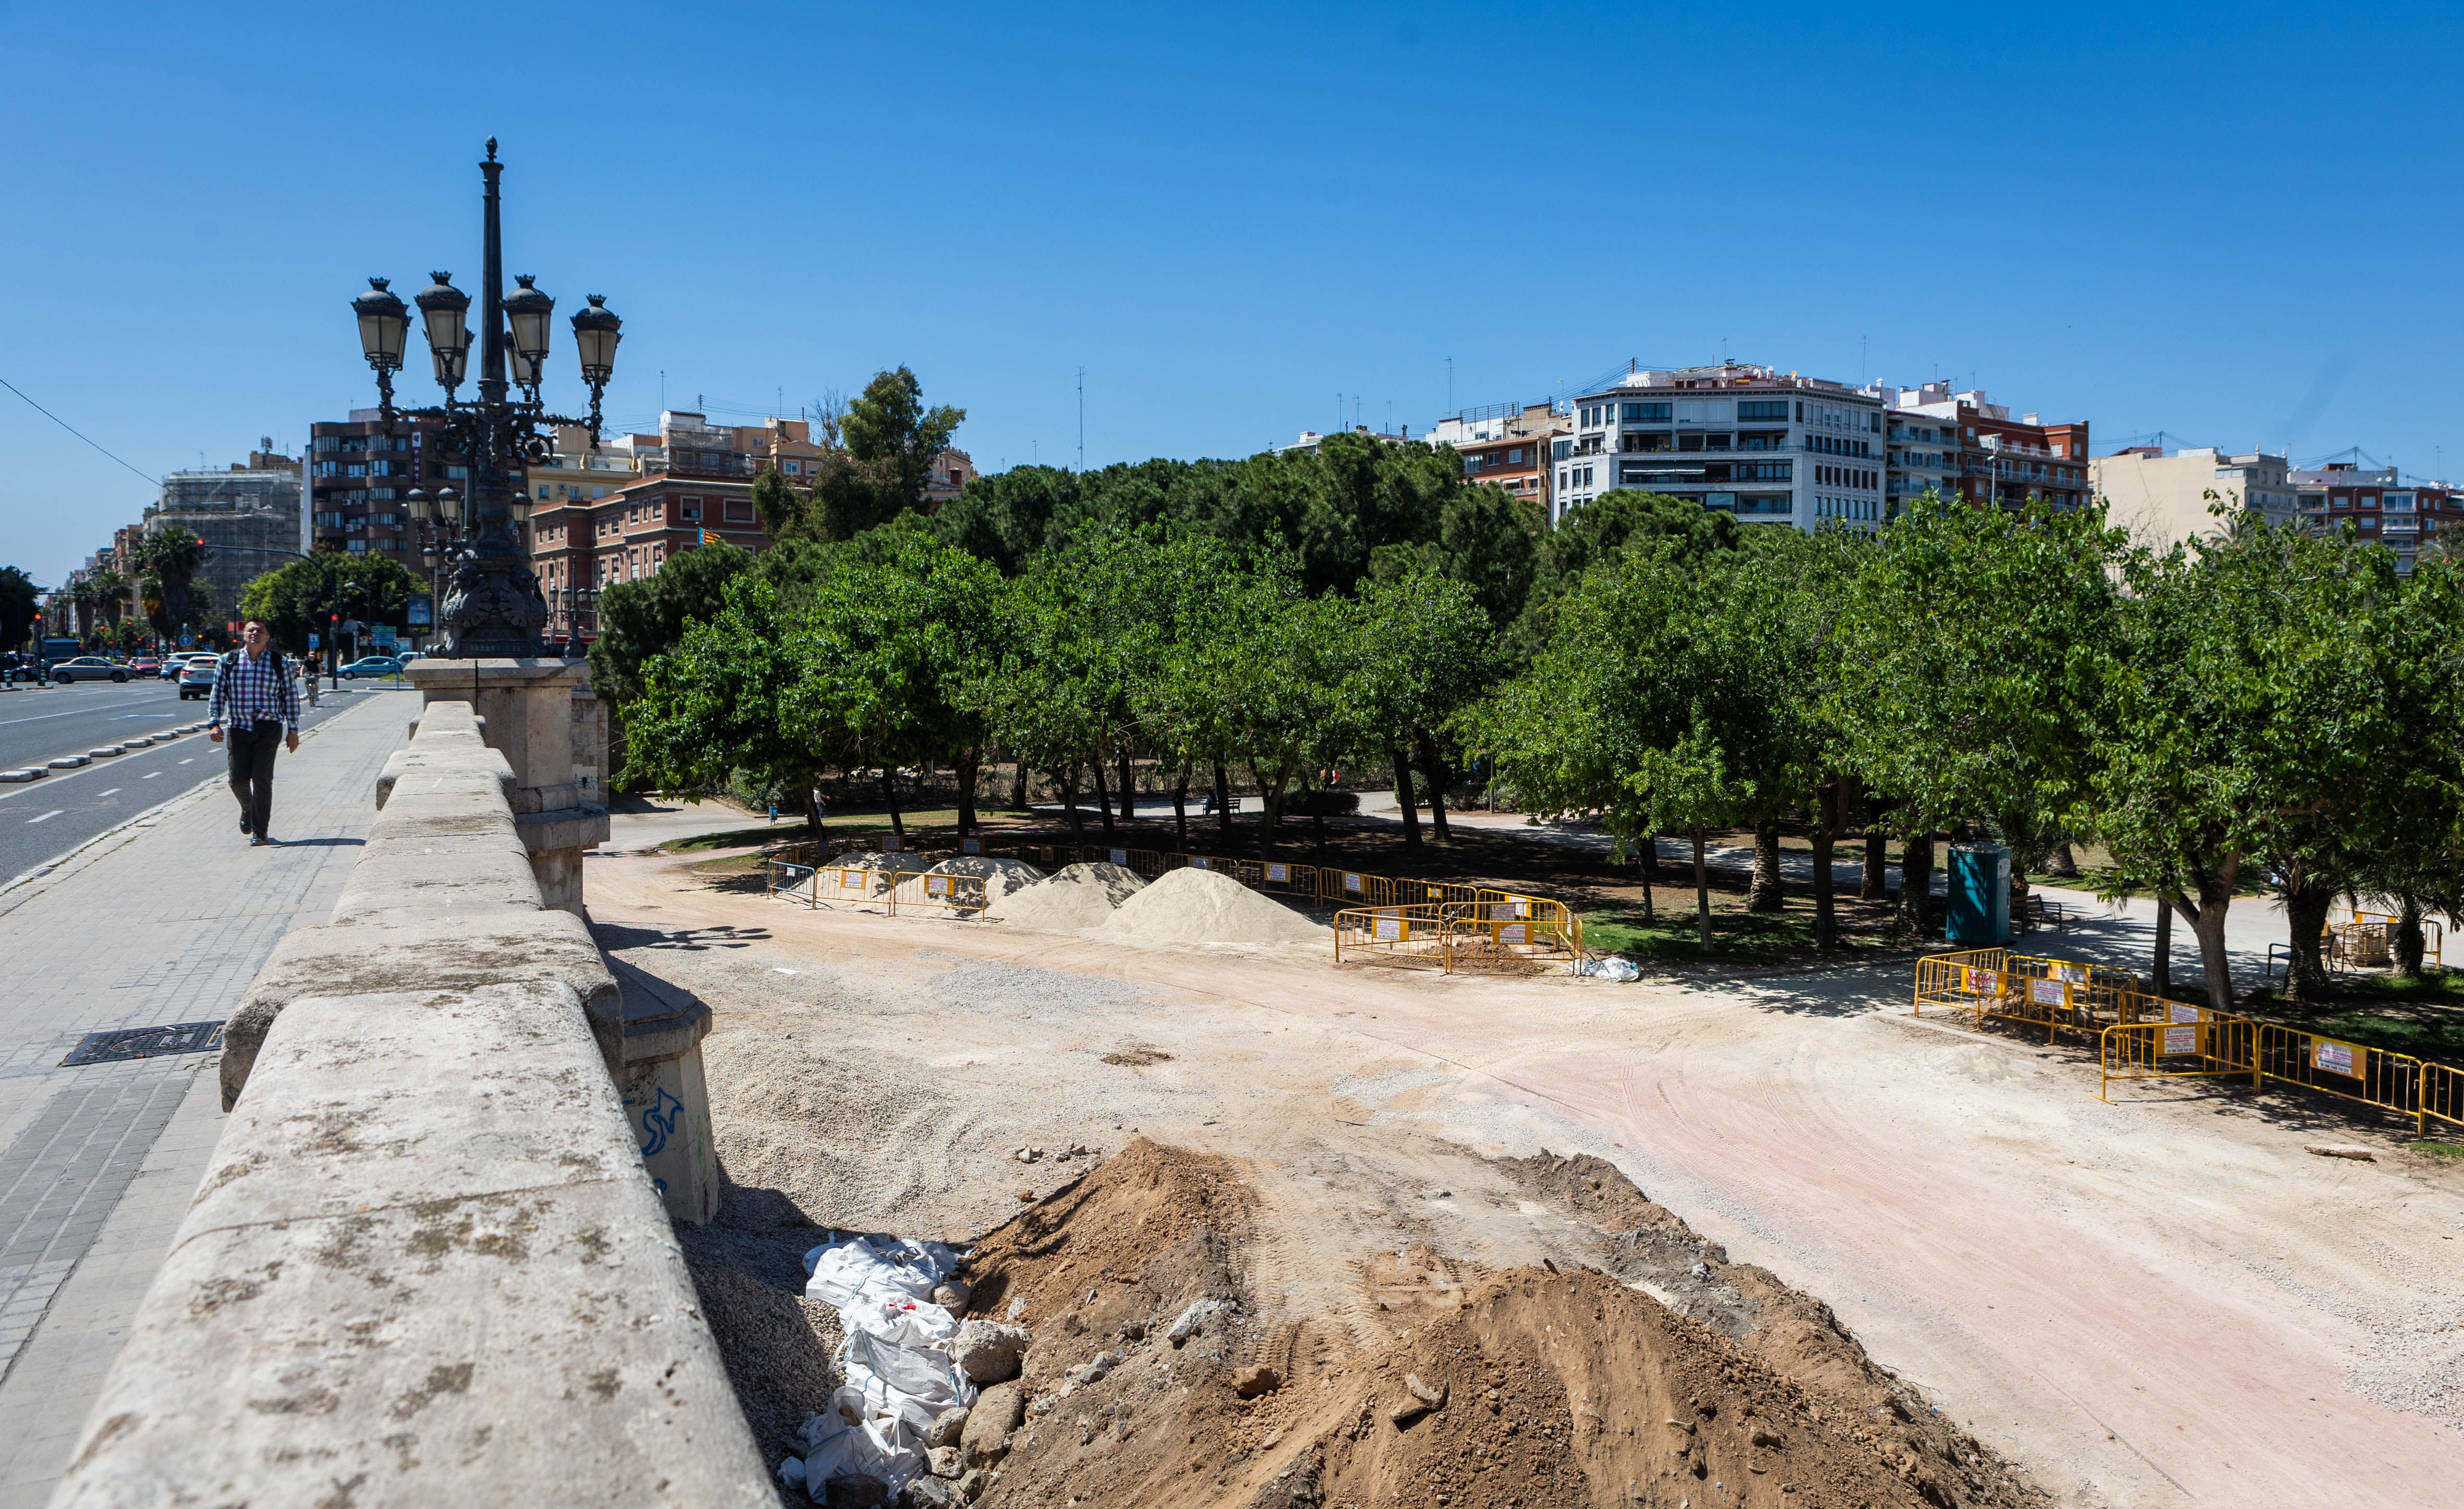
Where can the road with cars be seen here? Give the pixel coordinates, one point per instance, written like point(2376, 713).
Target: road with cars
point(45, 819)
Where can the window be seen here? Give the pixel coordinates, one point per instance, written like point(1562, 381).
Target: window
point(1560, 450)
point(1514, 458)
point(1646, 413)
point(689, 508)
point(381, 494)
point(356, 546)
point(1761, 408)
point(543, 497)
point(740, 510)
point(329, 443)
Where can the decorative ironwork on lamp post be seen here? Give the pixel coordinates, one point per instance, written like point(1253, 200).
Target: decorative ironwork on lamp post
point(491, 605)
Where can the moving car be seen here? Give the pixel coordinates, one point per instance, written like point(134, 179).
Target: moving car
point(88, 668)
point(372, 665)
point(197, 677)
point(145, 665)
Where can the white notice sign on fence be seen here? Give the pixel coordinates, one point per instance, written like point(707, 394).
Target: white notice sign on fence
point(2045, 993)
point(1278, 874)
point(2181, 1039)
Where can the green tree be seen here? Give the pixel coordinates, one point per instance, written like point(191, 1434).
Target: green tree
point(2253, 726)
point(19, 600)
point(721, 702)
point(167, 561)
point(643, 618)
point(1423, 653)
point(892, 434)
point(300, 598)
point(1973, 649)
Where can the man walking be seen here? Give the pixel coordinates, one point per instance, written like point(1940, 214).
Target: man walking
point(256, 697)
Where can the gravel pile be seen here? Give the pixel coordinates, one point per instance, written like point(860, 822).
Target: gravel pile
point(1192, 906)
point(1080, 896)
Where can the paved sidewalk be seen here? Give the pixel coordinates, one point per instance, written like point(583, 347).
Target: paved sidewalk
point(163, 922)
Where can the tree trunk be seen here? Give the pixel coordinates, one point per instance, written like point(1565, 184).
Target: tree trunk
point(1874, 884)
point(1318, 814)
point(1069, 804)
point(1701, 895)
point(1103, 806)
point(2305, 916)
point(969, 760)
point(1017, 785)
point(1222, 799)
point(1826, 833)
point(1436, 770)
point(889, 796)
point(2160, 978)
point(1763, 894)
point(1916, 882)
point(1128, 788)
point(813, 812)
point(2064, 863)
point(1180, 809)
point(1648, 859)
point(2210, 925)
point(1403, 799)
point(2407, 943)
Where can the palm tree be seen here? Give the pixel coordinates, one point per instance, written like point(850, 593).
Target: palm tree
point(169, 559)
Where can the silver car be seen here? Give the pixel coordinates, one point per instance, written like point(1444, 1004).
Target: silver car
point(88, 668)
point(198, 679)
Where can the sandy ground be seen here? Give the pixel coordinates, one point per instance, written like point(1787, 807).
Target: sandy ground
point(2141, 1303)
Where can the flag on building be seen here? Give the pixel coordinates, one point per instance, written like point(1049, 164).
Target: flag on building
point(709, 538)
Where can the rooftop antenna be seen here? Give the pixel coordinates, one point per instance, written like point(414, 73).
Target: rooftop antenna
point(1860, 360)
point(1082, 419)
point(1450, 384)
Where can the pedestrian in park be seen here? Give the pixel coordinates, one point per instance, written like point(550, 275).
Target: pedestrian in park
point(255, 703)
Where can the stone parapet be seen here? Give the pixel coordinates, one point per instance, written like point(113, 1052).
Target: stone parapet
point(428, 1264)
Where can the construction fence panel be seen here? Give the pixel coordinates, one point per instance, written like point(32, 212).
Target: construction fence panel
point(930, 895)
point(790, 879)
point(1277, 877)
point(2351, 1071)
point(2442, 1096)
point(854, 882)
point(1148, 862)
point(1341, 890)
point(1516, 929)
point(1397, 934)
point(1965, 981)
point(2173, 1040)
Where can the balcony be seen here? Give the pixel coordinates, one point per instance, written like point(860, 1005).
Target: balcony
point(724, 463)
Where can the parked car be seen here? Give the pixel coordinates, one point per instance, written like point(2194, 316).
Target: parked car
point(372, 665)
point(197, 676)
point(173, 664)
point(145, 665)
point(88, 668)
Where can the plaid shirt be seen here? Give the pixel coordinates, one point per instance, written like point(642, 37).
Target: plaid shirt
point(255, 691)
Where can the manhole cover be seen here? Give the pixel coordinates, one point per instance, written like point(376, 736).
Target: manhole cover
point(146, 1042)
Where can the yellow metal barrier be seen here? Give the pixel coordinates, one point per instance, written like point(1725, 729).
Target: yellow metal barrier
point(2143, 1036)
point(1515, 930)
point(2433, 935)
point(928, 895)
point(1410, 935)
point(2183, 1041)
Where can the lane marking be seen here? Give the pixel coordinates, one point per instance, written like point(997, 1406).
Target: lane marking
point(113, 792)
point(151, 773)
point(190, 761)
point(46, 817)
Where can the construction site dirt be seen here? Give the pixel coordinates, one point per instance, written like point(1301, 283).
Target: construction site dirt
point(1879, 1261)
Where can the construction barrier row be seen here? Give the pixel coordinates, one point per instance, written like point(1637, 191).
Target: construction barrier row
point(2137, 1036)
point(1451, 925)
point(896, 892)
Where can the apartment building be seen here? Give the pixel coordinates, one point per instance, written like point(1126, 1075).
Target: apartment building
point(2381, 506)
point(359, 473)
point(1769, 446)
point(1505, 443)
point(1966, 445)
point(2164, 501)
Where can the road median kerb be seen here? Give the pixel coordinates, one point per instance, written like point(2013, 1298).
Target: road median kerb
point(71, 761)
point(17, 777)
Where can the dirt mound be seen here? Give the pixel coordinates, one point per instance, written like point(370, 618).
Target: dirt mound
point(902, 861)
point(1079, 896)
point(1192, 905)
point(1539, 1385)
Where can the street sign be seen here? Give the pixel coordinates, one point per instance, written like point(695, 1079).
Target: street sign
point(312, 641)
point(381, 635)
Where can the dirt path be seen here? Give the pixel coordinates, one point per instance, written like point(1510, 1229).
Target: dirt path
point(2143, 1304)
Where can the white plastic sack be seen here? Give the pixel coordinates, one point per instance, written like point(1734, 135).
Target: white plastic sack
point(869, 1449)
point(896, 1383)
point(858, 1269)
point(916, 1324)
point(1612, 969)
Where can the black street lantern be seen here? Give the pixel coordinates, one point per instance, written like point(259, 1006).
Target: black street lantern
point(492, 604)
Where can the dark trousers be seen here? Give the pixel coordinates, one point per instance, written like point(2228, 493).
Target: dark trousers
point(251, 750)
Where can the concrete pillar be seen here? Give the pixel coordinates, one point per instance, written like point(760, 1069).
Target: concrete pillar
point(665, 1098)
point(526, 713)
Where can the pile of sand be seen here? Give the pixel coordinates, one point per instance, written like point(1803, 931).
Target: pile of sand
point(1080, 896)
point(1001, 877)
point(1191, 906)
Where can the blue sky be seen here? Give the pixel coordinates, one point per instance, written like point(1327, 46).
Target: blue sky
point(2230, 224)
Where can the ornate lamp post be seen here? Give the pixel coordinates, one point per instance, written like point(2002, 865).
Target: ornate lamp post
point(491, 607)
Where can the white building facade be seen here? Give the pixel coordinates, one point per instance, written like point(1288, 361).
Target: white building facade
point(1771, 447)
